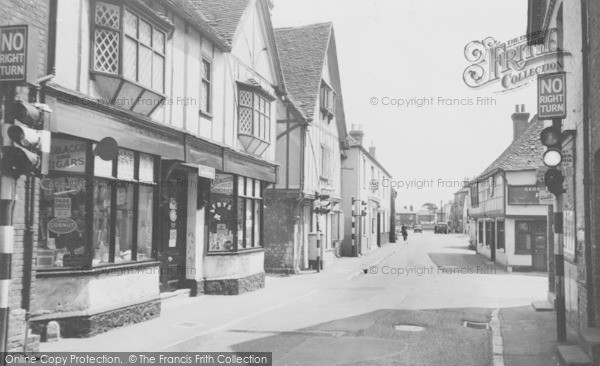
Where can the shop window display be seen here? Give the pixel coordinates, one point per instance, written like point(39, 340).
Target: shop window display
point(81, 192)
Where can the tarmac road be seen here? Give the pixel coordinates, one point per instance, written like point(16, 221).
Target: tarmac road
point(344, 316)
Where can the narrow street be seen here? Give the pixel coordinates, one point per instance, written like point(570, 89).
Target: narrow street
point(344, 316)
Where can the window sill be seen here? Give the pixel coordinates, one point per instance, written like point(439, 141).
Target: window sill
point(238, 252)
point(86, 270)
point(206, 115)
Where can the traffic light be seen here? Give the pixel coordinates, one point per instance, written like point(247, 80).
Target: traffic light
point(551, 137)
point(26, 149)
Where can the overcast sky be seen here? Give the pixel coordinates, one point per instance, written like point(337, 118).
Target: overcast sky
point(415, 49)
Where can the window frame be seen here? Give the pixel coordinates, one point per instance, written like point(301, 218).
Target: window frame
point(209, 91)
point(501, 235)
point(257, 200)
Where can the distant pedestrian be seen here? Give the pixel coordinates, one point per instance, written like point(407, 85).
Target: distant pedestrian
point(404, 232)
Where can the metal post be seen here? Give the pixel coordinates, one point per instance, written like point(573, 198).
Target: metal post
point(354, 252)
point(6, 232)
point(559, 262)
point(318, 246)
point(6, 250)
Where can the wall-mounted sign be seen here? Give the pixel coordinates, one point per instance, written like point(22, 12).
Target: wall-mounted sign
point(146, 173)
point(524, 195)
point(206, 172)
point(62, 225)
point(67, 155)
point(18, 54)
point(222, 184)
point(552, 96)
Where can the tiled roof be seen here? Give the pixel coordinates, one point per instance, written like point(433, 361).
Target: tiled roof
point(525, 153)
point(222, 15)
point(302, 53)
point(188, 10)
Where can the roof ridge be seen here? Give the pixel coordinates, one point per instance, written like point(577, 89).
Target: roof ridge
point(304, 26)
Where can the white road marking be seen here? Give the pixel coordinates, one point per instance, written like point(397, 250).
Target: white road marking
point(238, 320)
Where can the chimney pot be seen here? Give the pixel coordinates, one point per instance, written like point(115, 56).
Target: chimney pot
point(520, 121)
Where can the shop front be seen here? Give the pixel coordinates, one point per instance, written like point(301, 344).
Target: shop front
point(96, 266)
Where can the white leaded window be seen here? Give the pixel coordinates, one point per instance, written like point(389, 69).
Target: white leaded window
point(142, 54)
point(254, 114)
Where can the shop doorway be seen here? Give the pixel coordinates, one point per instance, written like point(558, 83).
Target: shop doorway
point(173, 225)
point(539, 249)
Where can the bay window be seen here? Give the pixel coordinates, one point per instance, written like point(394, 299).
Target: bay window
point(128, 54)
point(254, 120)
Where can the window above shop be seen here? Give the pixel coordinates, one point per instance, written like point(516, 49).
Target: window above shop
point(327, 101)
point(254, 119)
point(128, 54)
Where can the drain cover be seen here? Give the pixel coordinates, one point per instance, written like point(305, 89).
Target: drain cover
point(476, 325)
point(188, 324)
point(408, 328)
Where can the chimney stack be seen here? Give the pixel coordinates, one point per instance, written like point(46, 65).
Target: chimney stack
point(372, 150)
point(357, 134)
point(411, 208)
point(520, 120)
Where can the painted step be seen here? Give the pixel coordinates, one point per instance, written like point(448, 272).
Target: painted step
point(573, 356)
point(589, 340)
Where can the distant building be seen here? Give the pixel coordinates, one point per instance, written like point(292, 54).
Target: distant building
point(510, 216)
point(366, 184)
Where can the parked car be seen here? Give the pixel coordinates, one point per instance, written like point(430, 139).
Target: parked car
point(441, 227)
point(418, 229)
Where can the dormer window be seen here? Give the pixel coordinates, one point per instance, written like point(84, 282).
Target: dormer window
point(327, 101)
point(128, 54)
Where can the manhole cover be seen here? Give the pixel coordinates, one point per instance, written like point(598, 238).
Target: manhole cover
point(476, 325)
point(408, 328)
point(188, 324)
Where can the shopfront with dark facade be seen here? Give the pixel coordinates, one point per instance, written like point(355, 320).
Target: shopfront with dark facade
point(170, 211)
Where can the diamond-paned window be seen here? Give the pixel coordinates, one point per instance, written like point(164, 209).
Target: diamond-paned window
point(254, 114)
point(246, 120)
point(106, 51)
point(107, 15)
point(143, 48)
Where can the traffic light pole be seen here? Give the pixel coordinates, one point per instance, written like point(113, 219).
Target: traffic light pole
point(6, 227)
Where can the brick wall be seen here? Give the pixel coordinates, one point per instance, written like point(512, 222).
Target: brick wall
point(35, 14)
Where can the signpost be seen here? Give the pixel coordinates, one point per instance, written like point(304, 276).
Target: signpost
point(18, 54)
point(552, 96)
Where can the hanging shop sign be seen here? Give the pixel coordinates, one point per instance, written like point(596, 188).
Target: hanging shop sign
point(18, 54)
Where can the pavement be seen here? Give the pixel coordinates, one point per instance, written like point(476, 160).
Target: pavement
point(409, 308)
